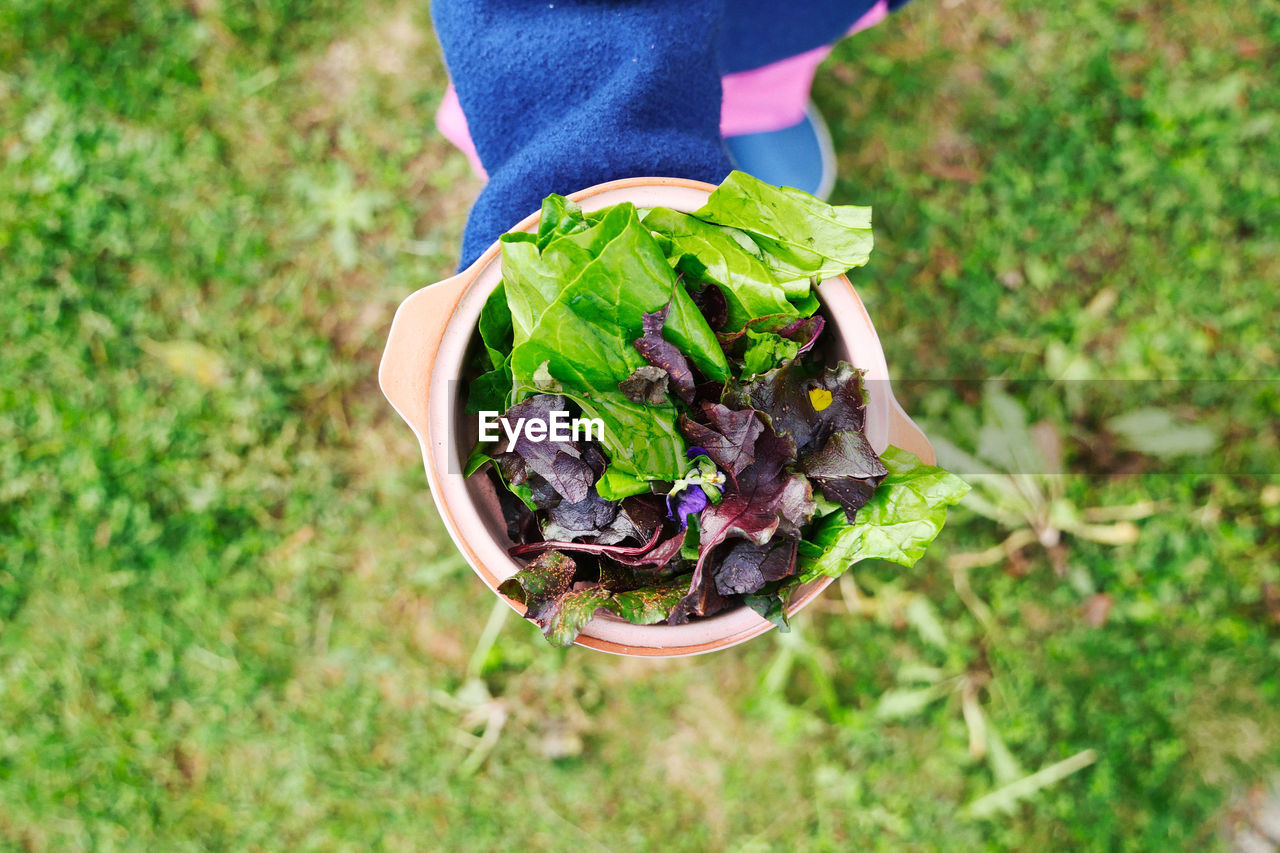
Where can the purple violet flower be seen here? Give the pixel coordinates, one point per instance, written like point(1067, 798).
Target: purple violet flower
point(689, 501)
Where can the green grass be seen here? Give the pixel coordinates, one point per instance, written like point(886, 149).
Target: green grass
point(230, 617)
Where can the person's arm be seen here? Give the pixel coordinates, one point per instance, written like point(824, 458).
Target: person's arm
point(563, 94)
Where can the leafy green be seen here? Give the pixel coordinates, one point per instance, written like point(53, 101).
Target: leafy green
point(663, 354)
point(617, 484)
point(480, 457)
point(846, 469)
point(613, 272)
point(728, 437)
point(584, 333)
point(570, 614)
point(559, 216)
point(588, 517)
point(543, 587)
point(646, 384)
point(770, 602)
point(595, 312)
point(904, 515)
point(529, 284)
point(647, 606)
point(727, 258)
point(495, 326)
point(641, 440)
point(491, 391)
point(541, 584)
point(765, 351)
point(766, 499)
point(747, 567)
point(560, 463)
point(799, 234)
point(806, 407)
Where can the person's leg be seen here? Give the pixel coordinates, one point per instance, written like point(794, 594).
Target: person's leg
point(768, 68)
point(775, 94)
point(452, 124)
point(771, 129)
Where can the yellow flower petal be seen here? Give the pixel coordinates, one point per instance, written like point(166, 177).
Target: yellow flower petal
point(820, 397)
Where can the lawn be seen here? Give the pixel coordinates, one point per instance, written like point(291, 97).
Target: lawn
point(230, 617)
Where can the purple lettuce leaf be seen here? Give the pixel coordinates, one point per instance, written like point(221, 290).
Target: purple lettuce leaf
point(729, 440)
point(617, 552)
point(658, 556)
point(700, 599)
point(707, 392)
point(596, 460)
point(646, 384)
point(804, 331)
point(560, 463)
point(638, 517)
point(588, 517)
point(801, 330)
point(785, 398)
point(541, 584)
point(713, 305)
point(660, 352)
point(597, 521)
point(747, 567)
point(542, 493)
point(846, 469)
point(521, 523)
point(766, 498)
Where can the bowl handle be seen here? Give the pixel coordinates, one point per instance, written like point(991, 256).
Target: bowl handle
point(412, 344)
point(904, 433)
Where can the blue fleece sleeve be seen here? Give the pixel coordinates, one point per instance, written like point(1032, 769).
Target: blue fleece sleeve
point(563, 94)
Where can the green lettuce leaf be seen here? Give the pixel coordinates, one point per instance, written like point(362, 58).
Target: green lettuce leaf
point(559, 216)
point(584, 334)
point(613, 273)
point(564, 620)
point(571, 614)
point(617, 484)
point(640, 440)
point(544, 587)
point(495, 326)
point(529, 284)
point(799, 234)
point(650, 605)
point(765, 351)
point(541, 585)
point(771, 603)
point(904, 515)
point(730, 259)
point(492, 390)
point(480, 457)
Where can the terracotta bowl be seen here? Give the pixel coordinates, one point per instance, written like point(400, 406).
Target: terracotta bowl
point(421, 377)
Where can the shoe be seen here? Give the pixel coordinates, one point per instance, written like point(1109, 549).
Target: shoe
point(800, 156)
